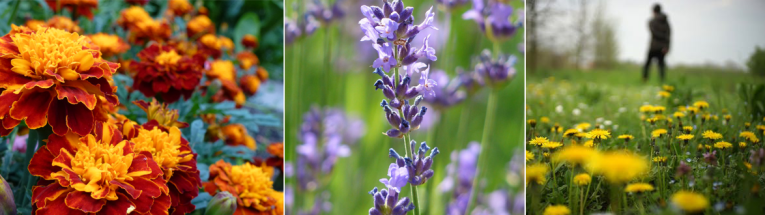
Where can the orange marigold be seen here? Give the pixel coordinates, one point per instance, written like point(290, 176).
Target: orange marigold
point(179, 7)
point(110, 44)
point(250, 184)
point(160, 114)
point(63, 23)
point(163, 72)
point(250, 84)
point(247, 59)
point(97, 173)
point(142, 27)
point(199, 25)
point(214, 46)
point(80, 7)
point(236, 134)
point(250, 41)
point(34, 24)
point(67, 87)
point(262, 74)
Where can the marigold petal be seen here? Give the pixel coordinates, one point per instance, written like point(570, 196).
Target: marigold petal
point(141, 166)
point(93, 72)
point(143, 203)
point(82, 201)
point(109, 92)
point(7, 46)
point(86, 60)
point(32, 107)
point(22, 67)
point(148, 187)
point(183, 182)
point(161, 205)
point(129, 189)
point(6, 101)
point(57, 117)
point(57, 206)
point(79, 119)
point(63, 160)
point(47, 192)
point(45, 84)
point(76, 95)
point(119, 206)
point(10, 123)
point(40, 166)
point(68, 74)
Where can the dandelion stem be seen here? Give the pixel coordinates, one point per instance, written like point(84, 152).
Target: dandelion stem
point(491, 110)
point(13, 14)
point(581, 200)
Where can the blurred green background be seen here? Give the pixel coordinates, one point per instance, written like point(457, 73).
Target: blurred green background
point(330, 69)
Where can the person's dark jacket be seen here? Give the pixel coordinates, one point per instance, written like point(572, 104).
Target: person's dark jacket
point(660, 32)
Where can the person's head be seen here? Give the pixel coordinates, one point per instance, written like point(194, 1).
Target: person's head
point(656, 8)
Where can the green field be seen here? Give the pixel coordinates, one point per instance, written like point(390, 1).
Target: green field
point(612, 101)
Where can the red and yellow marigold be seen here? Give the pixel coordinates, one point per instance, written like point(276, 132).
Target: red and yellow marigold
point(142, 27)
point(250, 184)
point(97, 173)
point(110, 45)
point(250, 84)
point(225, 72)
point(250, 41)
point(80, 7)
point(236, 135)
point(60, 22)
point(165, 73)
point(179, 7)
point(53, 77)
point(247, 59)
point(214, 46)
point(163, 116)
point(199, 25)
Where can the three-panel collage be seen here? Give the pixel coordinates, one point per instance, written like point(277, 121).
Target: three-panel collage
point(382, 107)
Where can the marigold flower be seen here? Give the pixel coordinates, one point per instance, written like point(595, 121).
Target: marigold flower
point(536, 173)
point(199, 25)
point(163, 72)
point(236, 134)
point(582, 179)
point(247, 60)
point(619, 167)
point(222, 70)
point(96, 173)
point(178, 163)
point(250, 84)
point(83, 7)
point(67, 87)
point(576, 155)
point(63, 23)
point(250, 41)
point(180, 7)
point(262, 74)
point(132, 16)
point(35, 24)
point(109, 45)
point(214, 46)
point(142, 27)
point(690, 201)
point(251, 185)
point(638, 188)
point(159, 113)
point(556, 210)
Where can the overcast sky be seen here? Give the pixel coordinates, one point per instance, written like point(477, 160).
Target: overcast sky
point(703, 31)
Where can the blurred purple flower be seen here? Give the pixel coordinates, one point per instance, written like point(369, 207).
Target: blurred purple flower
point(496, 16)
point(398, 177)
point(447, 91)
point(20, 144)
point(427, 86)
point(387, 203)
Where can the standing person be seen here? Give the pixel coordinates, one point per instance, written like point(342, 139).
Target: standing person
point(659, 47)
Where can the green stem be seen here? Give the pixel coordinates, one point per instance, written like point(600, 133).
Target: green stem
point(413, 189)
point(581, 200)
point(13, 14)
point(491, 110)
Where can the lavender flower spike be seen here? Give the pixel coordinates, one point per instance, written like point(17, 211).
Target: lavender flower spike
point(385, 59)
point(387, 203)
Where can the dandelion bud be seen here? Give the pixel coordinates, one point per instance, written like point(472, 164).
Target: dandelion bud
point(222, 203)
point(7, 206)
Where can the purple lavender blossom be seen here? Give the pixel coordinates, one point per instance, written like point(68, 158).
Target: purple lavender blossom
point(324, 136)
point(427, 86)
point(451, 4)
point(387, 28)
point(399, 176)
point(459, 177)
point(385, 59)
point(291, 30)
point(388, 203)
point(447, 91)
point(419, 165)
point(494, 19)
point(492, 72)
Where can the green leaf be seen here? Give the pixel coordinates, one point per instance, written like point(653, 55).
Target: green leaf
point(249, 23)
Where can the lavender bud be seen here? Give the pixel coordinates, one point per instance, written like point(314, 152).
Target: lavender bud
point(378, 12)
point(379, 201)
point(393, 154)
point(222, 203)
point(418, 100)
point(417, 120)
point(379, 72)
point(395, 103)
point(406, 13)
point(411, 146)
point(379, 84)
point(384, 103)
point(395, 17)
point(388, 92)
point(423, 148)
point(409, 59)
point(412, 112)
point(374, 211)
point(387, 9)
point(393, 119)
point(434, 152)
point(392, 197)
point(427, 163)
point(402, 207)
point(400, 161)
point(427, 174)
point(373, 191)
point(401, 88)
point(411, 93)
point(398, 6)
point(404, 127)
point(393, 133)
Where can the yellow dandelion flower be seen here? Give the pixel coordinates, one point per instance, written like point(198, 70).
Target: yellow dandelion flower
point(539, 141)
point(685, 137)
point(723, 145)
point(575, 155)
point(646, 108)
point(638, 188)
point(692, 110)
point(664, 94)
point(529, 156)
point(589, 143)
point(688, 128)
point(660, 159)
point(668, 88)
point(556, 210)
point(599, 134)
point(583, 126)
point(701, 105)
point(532, 122)
point(570, 132)
point(678, 114)
point(748, 135)
point(659, 109)
point(742, 144)
point(619, 167)
point(582, 179)
point(544, 119)
point(546, 154)
point(727, 117)
point(626, 137)
point(536, 173)
point(658, 132)
point(711, 135)
point(690, 201)
point(551, 145)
